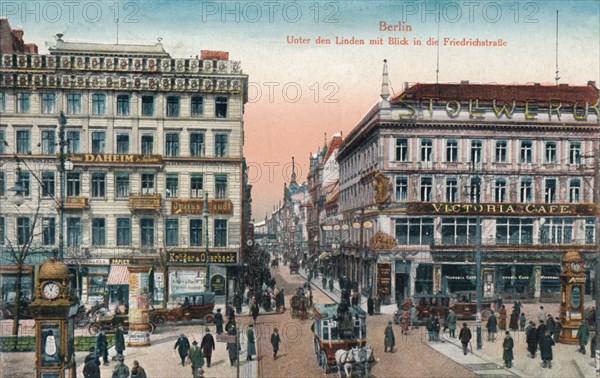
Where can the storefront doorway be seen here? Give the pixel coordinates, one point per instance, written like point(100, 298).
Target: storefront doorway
point(402, 280)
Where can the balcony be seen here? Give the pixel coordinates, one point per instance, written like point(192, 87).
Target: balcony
point(76, 203)
point(144, 202)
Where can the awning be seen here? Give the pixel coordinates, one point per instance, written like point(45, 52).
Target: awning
point(118, 275)
point(324, 255)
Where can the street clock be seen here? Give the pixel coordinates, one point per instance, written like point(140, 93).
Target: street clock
point(572, 289)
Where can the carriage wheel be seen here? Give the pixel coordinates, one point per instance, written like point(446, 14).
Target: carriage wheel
point(94, 328)
point(209, 318)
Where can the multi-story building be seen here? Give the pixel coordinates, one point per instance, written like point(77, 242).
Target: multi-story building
point(425, 164)
point(147, 136)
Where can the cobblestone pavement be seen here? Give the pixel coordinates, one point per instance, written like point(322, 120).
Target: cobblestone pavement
point(297, 358)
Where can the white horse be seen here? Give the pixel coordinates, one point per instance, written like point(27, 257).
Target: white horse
point(347, 358)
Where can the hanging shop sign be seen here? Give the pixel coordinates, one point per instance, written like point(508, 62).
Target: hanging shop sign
point(382, 241)
point(518, 209)
point(384, 279)
point(196, 207)
point(200, 257)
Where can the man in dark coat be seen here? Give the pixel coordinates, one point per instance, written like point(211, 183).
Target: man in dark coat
point(465, 337)
point(92, 356)
point(237, 302)
point(91, 369)
point(390, 341)
point(207, 346)
point(507, 346)
point(593, 346)
point(513, 324)
point(196, 359)
point(550, 324)
point(254, 310)
point(557, 329)
point(492, 327)
point(331, 284)
point(233, 347)
point(541, 331)
point(583, 335)
point(451, 323)
point(546, 344)
point(370, 305)
point(251, 346)
point(219, 321)
point(102, 346)
point(275, 340)
point(324, 282)
point(430, 328)
point(531, 336)
point(182, 345)
point(119, 342)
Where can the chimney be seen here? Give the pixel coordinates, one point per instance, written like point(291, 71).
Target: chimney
point(18, 33)
point(31, 48)
point(591, 83)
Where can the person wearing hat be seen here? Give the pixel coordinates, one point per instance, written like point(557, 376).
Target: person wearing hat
point(389, 340)
point(121, 370)
point(207, 346)
point(233, 347)
point(251, 350)
point(275, 340)
point(219, 321)
point(92, 356)
point(507, 346)
point(196, 359)
point(102, 346)
point(137, 371)
point(91, 369)
point(182, 345)
point(531, 337)
point(465, 338)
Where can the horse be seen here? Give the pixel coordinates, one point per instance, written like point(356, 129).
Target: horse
point(346, 359)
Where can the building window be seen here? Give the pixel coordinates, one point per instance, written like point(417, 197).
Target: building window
point(2, 102)
point(172, 144)
point(22, 102)
point(147, 144)
point(426, 186)
point(147, 183)
point(2, 184)
point(401, 149)
point(73, 232)
point(23, 142)
point(173, 106)
point(426, 149)
point(574, 190)
point(172, 232)
point(98, 231)
point(73, 184)
point(414, 231)
point(195, 232)
point(48, 184)
point(476, 146)
point(526, 151)
point(221, 107)
point(48, 231)
point(196, 185)
point(23, 230)
point(556, 231)
point(458, 231)
point(475, 189)
point(48, 142)
point(401, 188)
point(171, 185)
point(220, 145)
point(451, 189)
point(73, 103)
point(501, 149)
point(197, 144)
point(575, 153)
point(98, 185)
point(123, 104)
point(98, 103)
point(514, 231)
point(220, 233)
point(2, 141)
point(452, 151)
point(550, 152)
point(147, 232)
point(2, 231)
point(24, 180)
point(73, 142)
point(122, 143)
point(220, 186)
point(147, 106)
point(123, 231)
point(197, 106)
point(48, 103)
point(590, 230)
point(550, 192)
point(500, 190)
point(526, 190)
point(98, 142)
point(121, 184)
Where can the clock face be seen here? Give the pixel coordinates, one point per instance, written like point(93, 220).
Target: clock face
point(576, 267)
point(50, 290)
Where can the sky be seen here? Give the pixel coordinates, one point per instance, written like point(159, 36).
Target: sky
point(299, 92)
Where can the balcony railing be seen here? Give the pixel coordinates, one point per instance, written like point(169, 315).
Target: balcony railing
point(76, 203)
point(145, 202)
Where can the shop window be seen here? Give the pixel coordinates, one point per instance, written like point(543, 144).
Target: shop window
point(414, 231)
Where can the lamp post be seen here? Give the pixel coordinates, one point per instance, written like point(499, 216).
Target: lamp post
point(62, 120)
point(477, 188)
point(205, 214)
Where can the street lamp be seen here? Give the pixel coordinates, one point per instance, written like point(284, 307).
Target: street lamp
point(18, 188)
point(205, 214)
point(478, 291)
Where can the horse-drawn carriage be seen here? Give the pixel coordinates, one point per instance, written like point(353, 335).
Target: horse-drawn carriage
point(340, 338)
point(300, 305)
point(294, 267)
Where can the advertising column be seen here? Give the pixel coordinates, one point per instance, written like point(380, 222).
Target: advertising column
point(139, 324)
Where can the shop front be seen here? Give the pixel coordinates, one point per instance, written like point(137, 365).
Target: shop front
point(89, 279)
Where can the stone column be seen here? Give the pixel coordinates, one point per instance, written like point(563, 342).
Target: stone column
point(139, 323)
point(413, 278)
point(437, 278)
point(537, 276)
